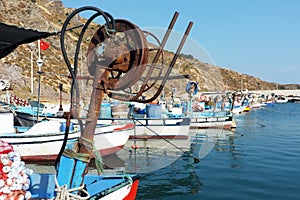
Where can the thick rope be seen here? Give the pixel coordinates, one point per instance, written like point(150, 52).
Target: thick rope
point(79, 156)
point(90, 145)
point(63, 193)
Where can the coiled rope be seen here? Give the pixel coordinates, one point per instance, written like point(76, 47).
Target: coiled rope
point(63, 193)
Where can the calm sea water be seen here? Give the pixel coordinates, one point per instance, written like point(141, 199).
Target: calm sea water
point(260, 161)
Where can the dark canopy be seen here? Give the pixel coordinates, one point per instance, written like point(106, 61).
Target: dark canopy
point(12, 36)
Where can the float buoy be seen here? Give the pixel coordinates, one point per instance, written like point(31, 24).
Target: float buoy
point(14, 176)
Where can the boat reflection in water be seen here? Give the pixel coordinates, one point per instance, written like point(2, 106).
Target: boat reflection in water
point(204, 141)
point(145, 155)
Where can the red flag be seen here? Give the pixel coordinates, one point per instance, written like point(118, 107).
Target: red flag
point(44, 45)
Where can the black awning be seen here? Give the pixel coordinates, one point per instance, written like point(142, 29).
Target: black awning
point(12, 36)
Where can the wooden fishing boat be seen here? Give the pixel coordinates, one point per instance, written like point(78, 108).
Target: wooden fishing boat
point(156, 128)
point(281, 99)
point(42, 141)
point(247, 108)
point(206, 120)
point(213, 112)
point(293, 98)
point(111, 187)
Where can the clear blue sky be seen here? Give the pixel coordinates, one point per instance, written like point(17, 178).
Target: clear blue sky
point(255, 37)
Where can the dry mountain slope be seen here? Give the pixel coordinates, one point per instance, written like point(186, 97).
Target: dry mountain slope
point(49, 15)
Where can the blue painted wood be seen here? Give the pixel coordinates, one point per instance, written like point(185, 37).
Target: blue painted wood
point(66, 167)
point(65, 171)
point(42, 185)
point(78, 173)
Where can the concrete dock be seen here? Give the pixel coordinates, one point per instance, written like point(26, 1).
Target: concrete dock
point(277, 92)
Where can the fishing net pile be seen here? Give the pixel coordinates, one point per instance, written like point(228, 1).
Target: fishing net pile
point(14, 176)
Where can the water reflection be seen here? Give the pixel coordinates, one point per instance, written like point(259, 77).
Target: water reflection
point(204, 141)
point(173, 180)
point(212, 141)
point(147, 155)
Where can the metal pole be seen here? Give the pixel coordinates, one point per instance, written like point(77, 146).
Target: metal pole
point(60, 97)
point(31, 72)
point(39, 93)
point(39, 63)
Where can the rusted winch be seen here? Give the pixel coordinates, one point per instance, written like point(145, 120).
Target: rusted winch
point(124, 54)
point(124, 57)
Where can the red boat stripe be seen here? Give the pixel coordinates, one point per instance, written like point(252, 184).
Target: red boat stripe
point(127, 126)
point(133, 191)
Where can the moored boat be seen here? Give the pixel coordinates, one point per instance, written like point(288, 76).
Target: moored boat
point(293, 98)
point(156, 128)
point(247, 109)
point(107, 187)
point(281, 99)
point(154, 124)
point(206, 120)
point(214, 111)
point(42, 141)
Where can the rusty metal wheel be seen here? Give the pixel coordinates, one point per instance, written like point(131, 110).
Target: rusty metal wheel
point(124, 54)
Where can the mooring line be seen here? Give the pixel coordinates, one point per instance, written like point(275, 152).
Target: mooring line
point(196, 160)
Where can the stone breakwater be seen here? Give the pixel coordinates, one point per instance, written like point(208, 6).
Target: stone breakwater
point(277, 92)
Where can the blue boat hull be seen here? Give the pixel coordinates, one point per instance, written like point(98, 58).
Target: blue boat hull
point(103, 186)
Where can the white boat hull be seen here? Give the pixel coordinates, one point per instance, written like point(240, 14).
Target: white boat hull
point(162, 128)
point(207, 125)
point(219, 122)
point(39, 146)
point(156, 128)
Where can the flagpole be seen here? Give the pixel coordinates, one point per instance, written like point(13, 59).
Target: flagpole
point(39, 63)
point(39, 48)
point(31, 72)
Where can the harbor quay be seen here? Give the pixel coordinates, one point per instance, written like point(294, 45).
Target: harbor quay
point(277, 92)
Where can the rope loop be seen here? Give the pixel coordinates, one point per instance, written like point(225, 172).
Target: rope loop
point(63, 193)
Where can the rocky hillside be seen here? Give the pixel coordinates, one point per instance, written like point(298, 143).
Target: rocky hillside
point(49, 15)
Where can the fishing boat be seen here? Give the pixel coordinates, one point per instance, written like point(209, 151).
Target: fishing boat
point(247, 108)
point(42, 141)
point(110, 187)
point(19, 182)
point(206, 120)
point(281, 99)
point(29, 115)
point(145, 127)
point(156, 128)
point(151, 125)
point(209, 112)
point(293, 98)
